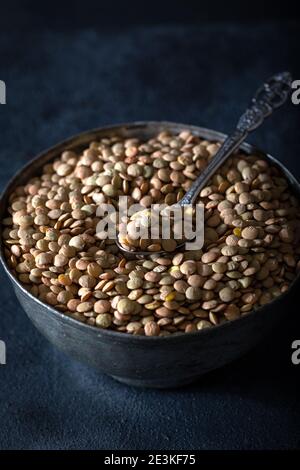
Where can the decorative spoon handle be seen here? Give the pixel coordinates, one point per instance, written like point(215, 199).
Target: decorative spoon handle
point(270, 96)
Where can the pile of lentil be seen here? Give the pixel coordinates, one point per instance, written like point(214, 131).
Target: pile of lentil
point(251, 252)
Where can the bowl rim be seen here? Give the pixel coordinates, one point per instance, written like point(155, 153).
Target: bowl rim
point(205, 133)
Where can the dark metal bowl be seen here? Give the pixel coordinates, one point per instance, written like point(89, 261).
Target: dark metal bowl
point(138, 360)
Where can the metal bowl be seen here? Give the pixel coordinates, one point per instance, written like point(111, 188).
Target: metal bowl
point(159, 362)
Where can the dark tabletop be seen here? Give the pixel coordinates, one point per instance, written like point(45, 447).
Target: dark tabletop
point(60, 82)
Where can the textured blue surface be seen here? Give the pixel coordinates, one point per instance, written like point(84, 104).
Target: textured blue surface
point(60, 83)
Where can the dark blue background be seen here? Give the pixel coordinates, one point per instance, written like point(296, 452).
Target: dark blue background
point(68, 69)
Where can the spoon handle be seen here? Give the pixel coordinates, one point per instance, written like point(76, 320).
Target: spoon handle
point(270, 96)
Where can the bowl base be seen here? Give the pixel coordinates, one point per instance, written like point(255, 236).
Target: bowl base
point(159, 383)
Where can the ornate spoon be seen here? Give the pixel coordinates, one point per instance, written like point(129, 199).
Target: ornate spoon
point(270, 96)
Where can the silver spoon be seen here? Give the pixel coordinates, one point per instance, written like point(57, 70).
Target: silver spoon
point(270, 96)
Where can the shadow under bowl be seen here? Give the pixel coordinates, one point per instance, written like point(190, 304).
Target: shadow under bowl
point(159, 362)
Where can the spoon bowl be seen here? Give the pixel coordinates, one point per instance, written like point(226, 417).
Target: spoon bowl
point(129, 254)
